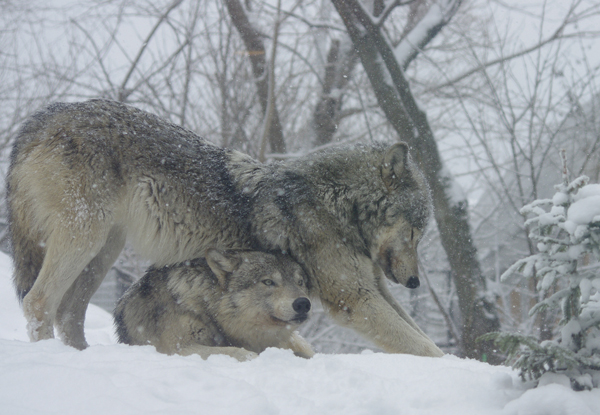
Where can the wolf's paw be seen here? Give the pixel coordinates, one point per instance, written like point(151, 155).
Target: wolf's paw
point(39, 330)
point(73, 341)
point(243, 355)
point(432, 351)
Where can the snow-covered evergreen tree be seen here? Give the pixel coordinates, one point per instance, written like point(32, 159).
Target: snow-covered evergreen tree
point(567, 269)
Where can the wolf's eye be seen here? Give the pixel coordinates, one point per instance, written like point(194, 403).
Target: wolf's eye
point(301, 283)
point(268, 282)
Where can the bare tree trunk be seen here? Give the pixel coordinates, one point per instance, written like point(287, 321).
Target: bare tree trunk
point(341, 61)
point(396, 100)
point(256, 52)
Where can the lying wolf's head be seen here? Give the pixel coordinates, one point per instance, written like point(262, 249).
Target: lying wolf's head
point(263, 293)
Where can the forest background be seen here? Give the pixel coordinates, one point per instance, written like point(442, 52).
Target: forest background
point(485, 92)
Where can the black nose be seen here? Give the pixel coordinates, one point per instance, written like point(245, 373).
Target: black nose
point(413, 282)
point(301, 305)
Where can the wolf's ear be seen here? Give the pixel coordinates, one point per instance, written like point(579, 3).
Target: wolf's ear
point(221, 265)
point(394, 172)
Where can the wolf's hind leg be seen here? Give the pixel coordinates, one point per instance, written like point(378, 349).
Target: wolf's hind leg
point(71, 312)
point(67, 254)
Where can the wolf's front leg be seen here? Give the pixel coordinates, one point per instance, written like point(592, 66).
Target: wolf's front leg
point(299, 346)
point(204, 352)
point(374, 318)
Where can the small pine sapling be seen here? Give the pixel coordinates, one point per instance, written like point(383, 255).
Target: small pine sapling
point(566, 229)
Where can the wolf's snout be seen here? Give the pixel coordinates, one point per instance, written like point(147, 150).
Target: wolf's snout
point(413, 282)
point(301, 305)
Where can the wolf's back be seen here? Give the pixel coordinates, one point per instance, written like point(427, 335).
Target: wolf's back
point(79, 165)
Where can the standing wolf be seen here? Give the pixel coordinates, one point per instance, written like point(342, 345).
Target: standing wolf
point(84, 177)
point(233, 302)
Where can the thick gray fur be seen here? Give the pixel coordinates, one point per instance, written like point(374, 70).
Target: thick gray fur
point(84, 177)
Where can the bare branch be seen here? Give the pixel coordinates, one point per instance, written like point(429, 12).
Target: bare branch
point(449, 323)
point(123, 94)
point(557, 35)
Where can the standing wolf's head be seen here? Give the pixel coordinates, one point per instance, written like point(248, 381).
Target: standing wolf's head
point(403, 213)
point(385, 201)
point(370, 198)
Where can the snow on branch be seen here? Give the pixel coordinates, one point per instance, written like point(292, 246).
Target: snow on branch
point(438, 15)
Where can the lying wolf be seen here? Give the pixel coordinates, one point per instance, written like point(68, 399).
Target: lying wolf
point(84, 177)
point(236, 303)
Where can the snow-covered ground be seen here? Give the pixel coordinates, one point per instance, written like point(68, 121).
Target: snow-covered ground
point(108, 378)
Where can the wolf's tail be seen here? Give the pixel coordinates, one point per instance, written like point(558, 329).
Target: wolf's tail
point(26, 240)
point(28, 257)
point(27, 245)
